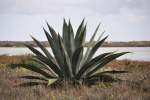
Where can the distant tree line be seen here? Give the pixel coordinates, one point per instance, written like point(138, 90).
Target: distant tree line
point(19, 43)
point(106, 44)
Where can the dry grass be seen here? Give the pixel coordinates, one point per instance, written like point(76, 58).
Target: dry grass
point(136, 86)
point(4, 59)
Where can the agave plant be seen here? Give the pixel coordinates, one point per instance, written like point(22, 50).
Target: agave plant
point(69, 60)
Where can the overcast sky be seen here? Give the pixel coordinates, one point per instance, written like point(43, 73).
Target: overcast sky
point(123, 20)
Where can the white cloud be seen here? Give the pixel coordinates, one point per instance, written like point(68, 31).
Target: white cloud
point(122, 19)
point(56, 6)
point(38, 6)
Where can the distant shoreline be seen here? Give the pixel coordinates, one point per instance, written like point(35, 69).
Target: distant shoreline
point(106, 44)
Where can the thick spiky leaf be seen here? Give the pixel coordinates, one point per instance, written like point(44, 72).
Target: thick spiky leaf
point(53, 33)
point(67, 61)
point(95, 48)
point(108, 72)
point(79, 30)
point(89, 47)
point(65, 32)
point(76, 59)
point(34, 77)
point(50, 64)
point(71, 40)
point(55, 46)
point(31, 84)
point(68, 38)
point(101, 78)
point(49, 38)
point(35, 69)
point(46, 52)
point(92, 63)
point(81, 39)
point(34, 50)
point(51, 81)
point(105, 61)
point(39, 62)
point(95, 32)
point(53, 40)
point(113, 72)
point(44, 66)
point(80, 35)
point(99, 38)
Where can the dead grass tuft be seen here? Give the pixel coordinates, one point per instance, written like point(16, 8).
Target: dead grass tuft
point(135, 87)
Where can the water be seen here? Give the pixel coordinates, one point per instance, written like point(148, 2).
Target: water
point(138, 53)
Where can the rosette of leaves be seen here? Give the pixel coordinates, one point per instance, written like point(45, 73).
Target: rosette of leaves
point(70, 60)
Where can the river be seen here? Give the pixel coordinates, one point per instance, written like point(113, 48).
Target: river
point(137, 53)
